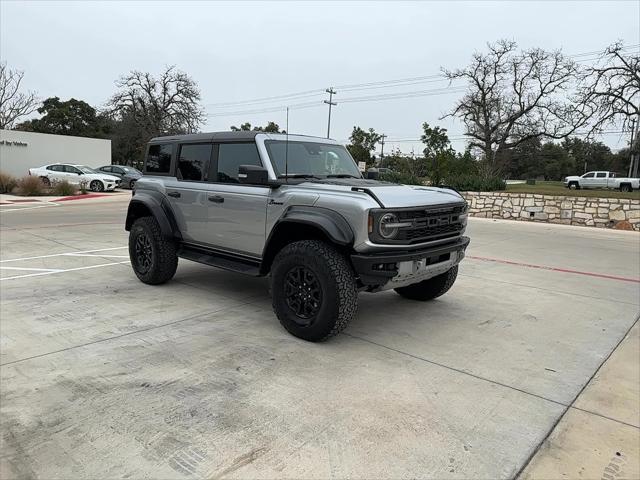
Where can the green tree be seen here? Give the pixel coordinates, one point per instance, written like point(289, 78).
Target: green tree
point(437, 152)
point(271, 127)
point(362, 143)
point(587, 155)
point(70, 117)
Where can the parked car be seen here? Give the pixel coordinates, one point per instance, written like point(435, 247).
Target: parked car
point(295, 208)
point(76, 175)
point(127, 175)
point(602, 179)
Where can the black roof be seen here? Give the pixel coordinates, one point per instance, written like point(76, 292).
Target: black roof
point(208, 137)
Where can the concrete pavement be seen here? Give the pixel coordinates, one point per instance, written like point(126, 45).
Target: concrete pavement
point(105, 377)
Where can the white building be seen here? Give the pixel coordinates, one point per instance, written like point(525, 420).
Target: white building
point(20, 151)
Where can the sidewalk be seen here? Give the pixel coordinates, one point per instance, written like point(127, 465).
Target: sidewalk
point(599, 436)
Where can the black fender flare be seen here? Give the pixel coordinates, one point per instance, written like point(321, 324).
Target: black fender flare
point(331, 223)
point(157, 205)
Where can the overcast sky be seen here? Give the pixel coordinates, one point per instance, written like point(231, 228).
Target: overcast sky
point(243, 51)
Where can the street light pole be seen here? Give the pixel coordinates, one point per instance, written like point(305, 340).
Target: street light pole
point(330, 102)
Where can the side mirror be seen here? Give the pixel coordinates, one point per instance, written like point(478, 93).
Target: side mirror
point(253, 175)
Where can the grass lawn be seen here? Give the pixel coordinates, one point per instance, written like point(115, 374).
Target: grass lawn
point(558, 188)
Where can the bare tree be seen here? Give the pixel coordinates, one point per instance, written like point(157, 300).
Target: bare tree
point(14, 104)
point(167, 105)
point(610, 89)
point(513, 97)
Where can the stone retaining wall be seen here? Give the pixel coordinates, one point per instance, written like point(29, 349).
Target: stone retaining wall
point(590, 211)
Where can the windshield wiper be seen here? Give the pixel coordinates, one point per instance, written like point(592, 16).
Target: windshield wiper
point(298, 175)
point(341, 175)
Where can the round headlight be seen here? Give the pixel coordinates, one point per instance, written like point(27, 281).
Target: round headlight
point(383, 228)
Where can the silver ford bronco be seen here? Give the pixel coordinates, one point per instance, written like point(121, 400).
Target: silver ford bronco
point(298, 209)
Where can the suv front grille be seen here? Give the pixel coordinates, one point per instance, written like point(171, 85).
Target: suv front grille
point(429, 224)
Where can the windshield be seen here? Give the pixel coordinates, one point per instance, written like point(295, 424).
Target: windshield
point(312, 159)
point(85, 169)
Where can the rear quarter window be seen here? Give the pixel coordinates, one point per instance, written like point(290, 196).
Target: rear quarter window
point(159, 158)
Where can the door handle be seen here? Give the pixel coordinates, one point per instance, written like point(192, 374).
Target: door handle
point(174, 194)
point(216, 199)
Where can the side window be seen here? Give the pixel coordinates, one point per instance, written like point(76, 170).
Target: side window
point(159, 158)
point(70, 169)
point(193, 162)
point(116, 170)
point(601, 174)
point(588, 175)
point(106, 169)
point(56, 168)
point(231, 156)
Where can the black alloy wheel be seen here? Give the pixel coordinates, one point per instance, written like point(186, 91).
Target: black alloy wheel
point(143, 253)
point(303, 293)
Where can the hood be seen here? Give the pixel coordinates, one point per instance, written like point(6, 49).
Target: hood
point(392, 195)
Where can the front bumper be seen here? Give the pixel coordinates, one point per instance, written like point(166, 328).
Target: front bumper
point(382, 271)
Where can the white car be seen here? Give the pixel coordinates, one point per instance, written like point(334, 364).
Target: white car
point(602, 179)
point(76, 175)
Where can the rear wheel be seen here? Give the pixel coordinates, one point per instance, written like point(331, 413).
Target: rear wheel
point(132, 184)
point(153, 257)
point(45, 181)
point(96, 186)
point(625, 187)
point(431, 288)
point(313, 290)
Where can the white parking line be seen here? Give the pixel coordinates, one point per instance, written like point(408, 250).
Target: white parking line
point(62, 254)
point(92, 255)
point(4, 208)
point(33, 269)
point(61, 271)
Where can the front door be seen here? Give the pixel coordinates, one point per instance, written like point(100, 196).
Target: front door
point(236, 213)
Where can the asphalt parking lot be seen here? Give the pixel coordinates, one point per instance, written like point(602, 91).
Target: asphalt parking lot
point(104, 377)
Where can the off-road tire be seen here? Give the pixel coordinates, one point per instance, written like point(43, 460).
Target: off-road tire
point(96, 186)
point(431, 288)
point(164, 260)
point(339, 294)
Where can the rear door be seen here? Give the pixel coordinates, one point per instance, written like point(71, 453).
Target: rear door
point(600, 180)
point(187, 191)
point(55, 172)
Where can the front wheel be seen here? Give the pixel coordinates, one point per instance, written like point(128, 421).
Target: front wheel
point(430, 288)
point(313, 289)
point(153, 257)
point(96, 186)
point(574, 186)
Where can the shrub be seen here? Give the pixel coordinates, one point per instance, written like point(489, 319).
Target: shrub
point(63, 188)
point(401, 177)
point(31, 186)
point(476, 183)
point(7, 183)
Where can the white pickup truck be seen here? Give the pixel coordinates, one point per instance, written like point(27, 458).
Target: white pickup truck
point(600, 179)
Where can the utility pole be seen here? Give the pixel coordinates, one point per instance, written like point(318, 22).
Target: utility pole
point(330, 102)
point(635, 158)
point(382, 137)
